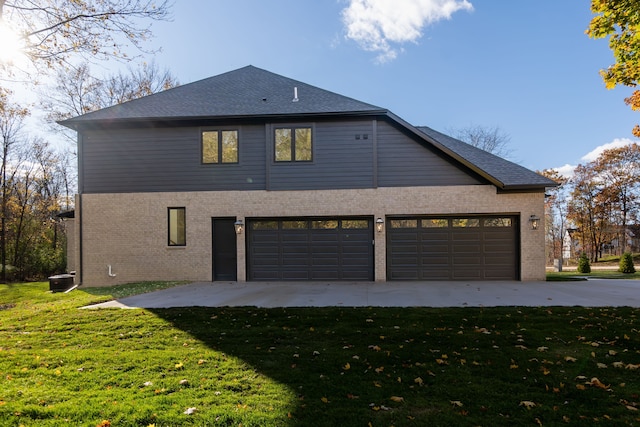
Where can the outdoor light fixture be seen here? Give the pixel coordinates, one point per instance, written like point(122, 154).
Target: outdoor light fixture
point(239, 226)
point(535, 222)
point(379, 225)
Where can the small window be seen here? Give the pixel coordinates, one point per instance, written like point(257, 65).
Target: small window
point(177, 227)
point(466, 222)
point(294, 225)
point(324, 225)
point(497, 222)
point(434, 223)
point(293, 145)
point(404, 223)
point(355, 224)
point(219, 146)
point(264, 225)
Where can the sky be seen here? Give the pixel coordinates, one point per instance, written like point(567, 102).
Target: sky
point(525, 66)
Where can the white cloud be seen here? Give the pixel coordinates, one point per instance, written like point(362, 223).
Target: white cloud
point(377, 24)
point(616, 143)
point(566, 170)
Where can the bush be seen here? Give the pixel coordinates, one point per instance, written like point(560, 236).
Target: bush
point(584, 266)
point(626, 264)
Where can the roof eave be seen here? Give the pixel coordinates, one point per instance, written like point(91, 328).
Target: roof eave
point(77, 124)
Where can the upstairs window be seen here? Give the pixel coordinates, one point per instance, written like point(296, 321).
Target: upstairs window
point(177, 227)
point(219, 146)
point(293, 144)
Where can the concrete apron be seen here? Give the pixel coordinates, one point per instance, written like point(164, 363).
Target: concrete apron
point(591, 293)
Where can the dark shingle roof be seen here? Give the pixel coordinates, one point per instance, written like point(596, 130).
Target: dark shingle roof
point(251, 92)
point(248, 91)
point(502, 173)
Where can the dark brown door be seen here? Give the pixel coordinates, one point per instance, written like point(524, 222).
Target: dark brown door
point(453, 248)
point(224, 249)
point(310, 249)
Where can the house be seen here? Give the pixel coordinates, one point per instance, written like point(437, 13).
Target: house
point(252, 176)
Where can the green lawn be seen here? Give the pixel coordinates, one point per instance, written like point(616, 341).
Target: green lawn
point(312, 366)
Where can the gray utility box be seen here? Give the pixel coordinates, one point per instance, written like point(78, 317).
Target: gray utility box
point(61, 282)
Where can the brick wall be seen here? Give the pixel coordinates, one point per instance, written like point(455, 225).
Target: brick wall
point(129, 231)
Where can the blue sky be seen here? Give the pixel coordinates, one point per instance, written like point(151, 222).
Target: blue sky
point(525, 66)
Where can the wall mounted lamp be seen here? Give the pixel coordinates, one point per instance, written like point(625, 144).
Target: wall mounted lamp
point(379, 225)
point(239, 226)
point(534, 221)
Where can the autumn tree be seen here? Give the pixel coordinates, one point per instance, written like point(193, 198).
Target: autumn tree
point(11, 121)
point(620, 21)
point(556, 206)
point(55, 32)
point(619, 171)
point(487, 138)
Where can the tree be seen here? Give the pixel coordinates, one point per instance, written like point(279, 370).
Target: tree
point(11, 120)
point(491, 139)
point(619, 170)
point(79, 91)
point(556, 206)
point(55, 31)
point(620, 21)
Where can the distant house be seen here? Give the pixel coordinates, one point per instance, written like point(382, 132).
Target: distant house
point(252, 176)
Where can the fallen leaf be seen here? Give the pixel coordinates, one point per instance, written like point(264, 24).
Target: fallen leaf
point(631, 408)
point(346, 367)
point(570, 359)
point(596, 383)
point(543, 348)
point(324, 400)
point(602, 365)
point(190, 411)
point(456, 403)
point(527, 404)
point(397, 399)
point(418, 381)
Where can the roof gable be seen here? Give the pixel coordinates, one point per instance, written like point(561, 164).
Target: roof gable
point(248, 91)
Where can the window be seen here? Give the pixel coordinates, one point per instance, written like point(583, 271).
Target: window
point(177, 227)
point(219, 146)
point(293, 144)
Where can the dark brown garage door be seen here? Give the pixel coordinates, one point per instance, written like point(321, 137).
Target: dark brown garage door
point(456, 248)
point(310, 249)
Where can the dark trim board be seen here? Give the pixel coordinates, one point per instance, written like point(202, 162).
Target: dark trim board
point(326, 248)
point(453, 248)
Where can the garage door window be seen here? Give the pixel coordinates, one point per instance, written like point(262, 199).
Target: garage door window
point(264, 225)
point(466, 222)
point(294, 225)
point(404, 223)
point(435, 223)
point(497, 222)
point(355, 224)
point(324, 225)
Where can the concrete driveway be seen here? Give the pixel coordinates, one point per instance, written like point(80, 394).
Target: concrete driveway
point(592, 293)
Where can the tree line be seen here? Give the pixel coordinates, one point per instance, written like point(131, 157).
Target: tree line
point(594, 210)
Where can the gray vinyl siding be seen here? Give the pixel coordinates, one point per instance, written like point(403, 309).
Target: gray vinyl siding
point(169, 159)
point(339, 159)
point(404, 162)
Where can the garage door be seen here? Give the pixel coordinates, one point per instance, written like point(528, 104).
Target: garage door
point(458, 248)
point(310, 249)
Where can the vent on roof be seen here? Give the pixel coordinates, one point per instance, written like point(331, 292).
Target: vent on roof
point(295, 94)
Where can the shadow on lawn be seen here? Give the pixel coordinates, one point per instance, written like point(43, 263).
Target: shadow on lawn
point(336, 370)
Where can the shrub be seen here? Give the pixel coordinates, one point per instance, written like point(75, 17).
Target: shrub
point(583, 264)
point(626, 264)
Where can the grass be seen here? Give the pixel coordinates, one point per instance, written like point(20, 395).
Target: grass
point(596, 274)
point(312, 366)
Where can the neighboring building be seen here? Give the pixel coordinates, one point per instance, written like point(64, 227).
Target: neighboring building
point(326, 188)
